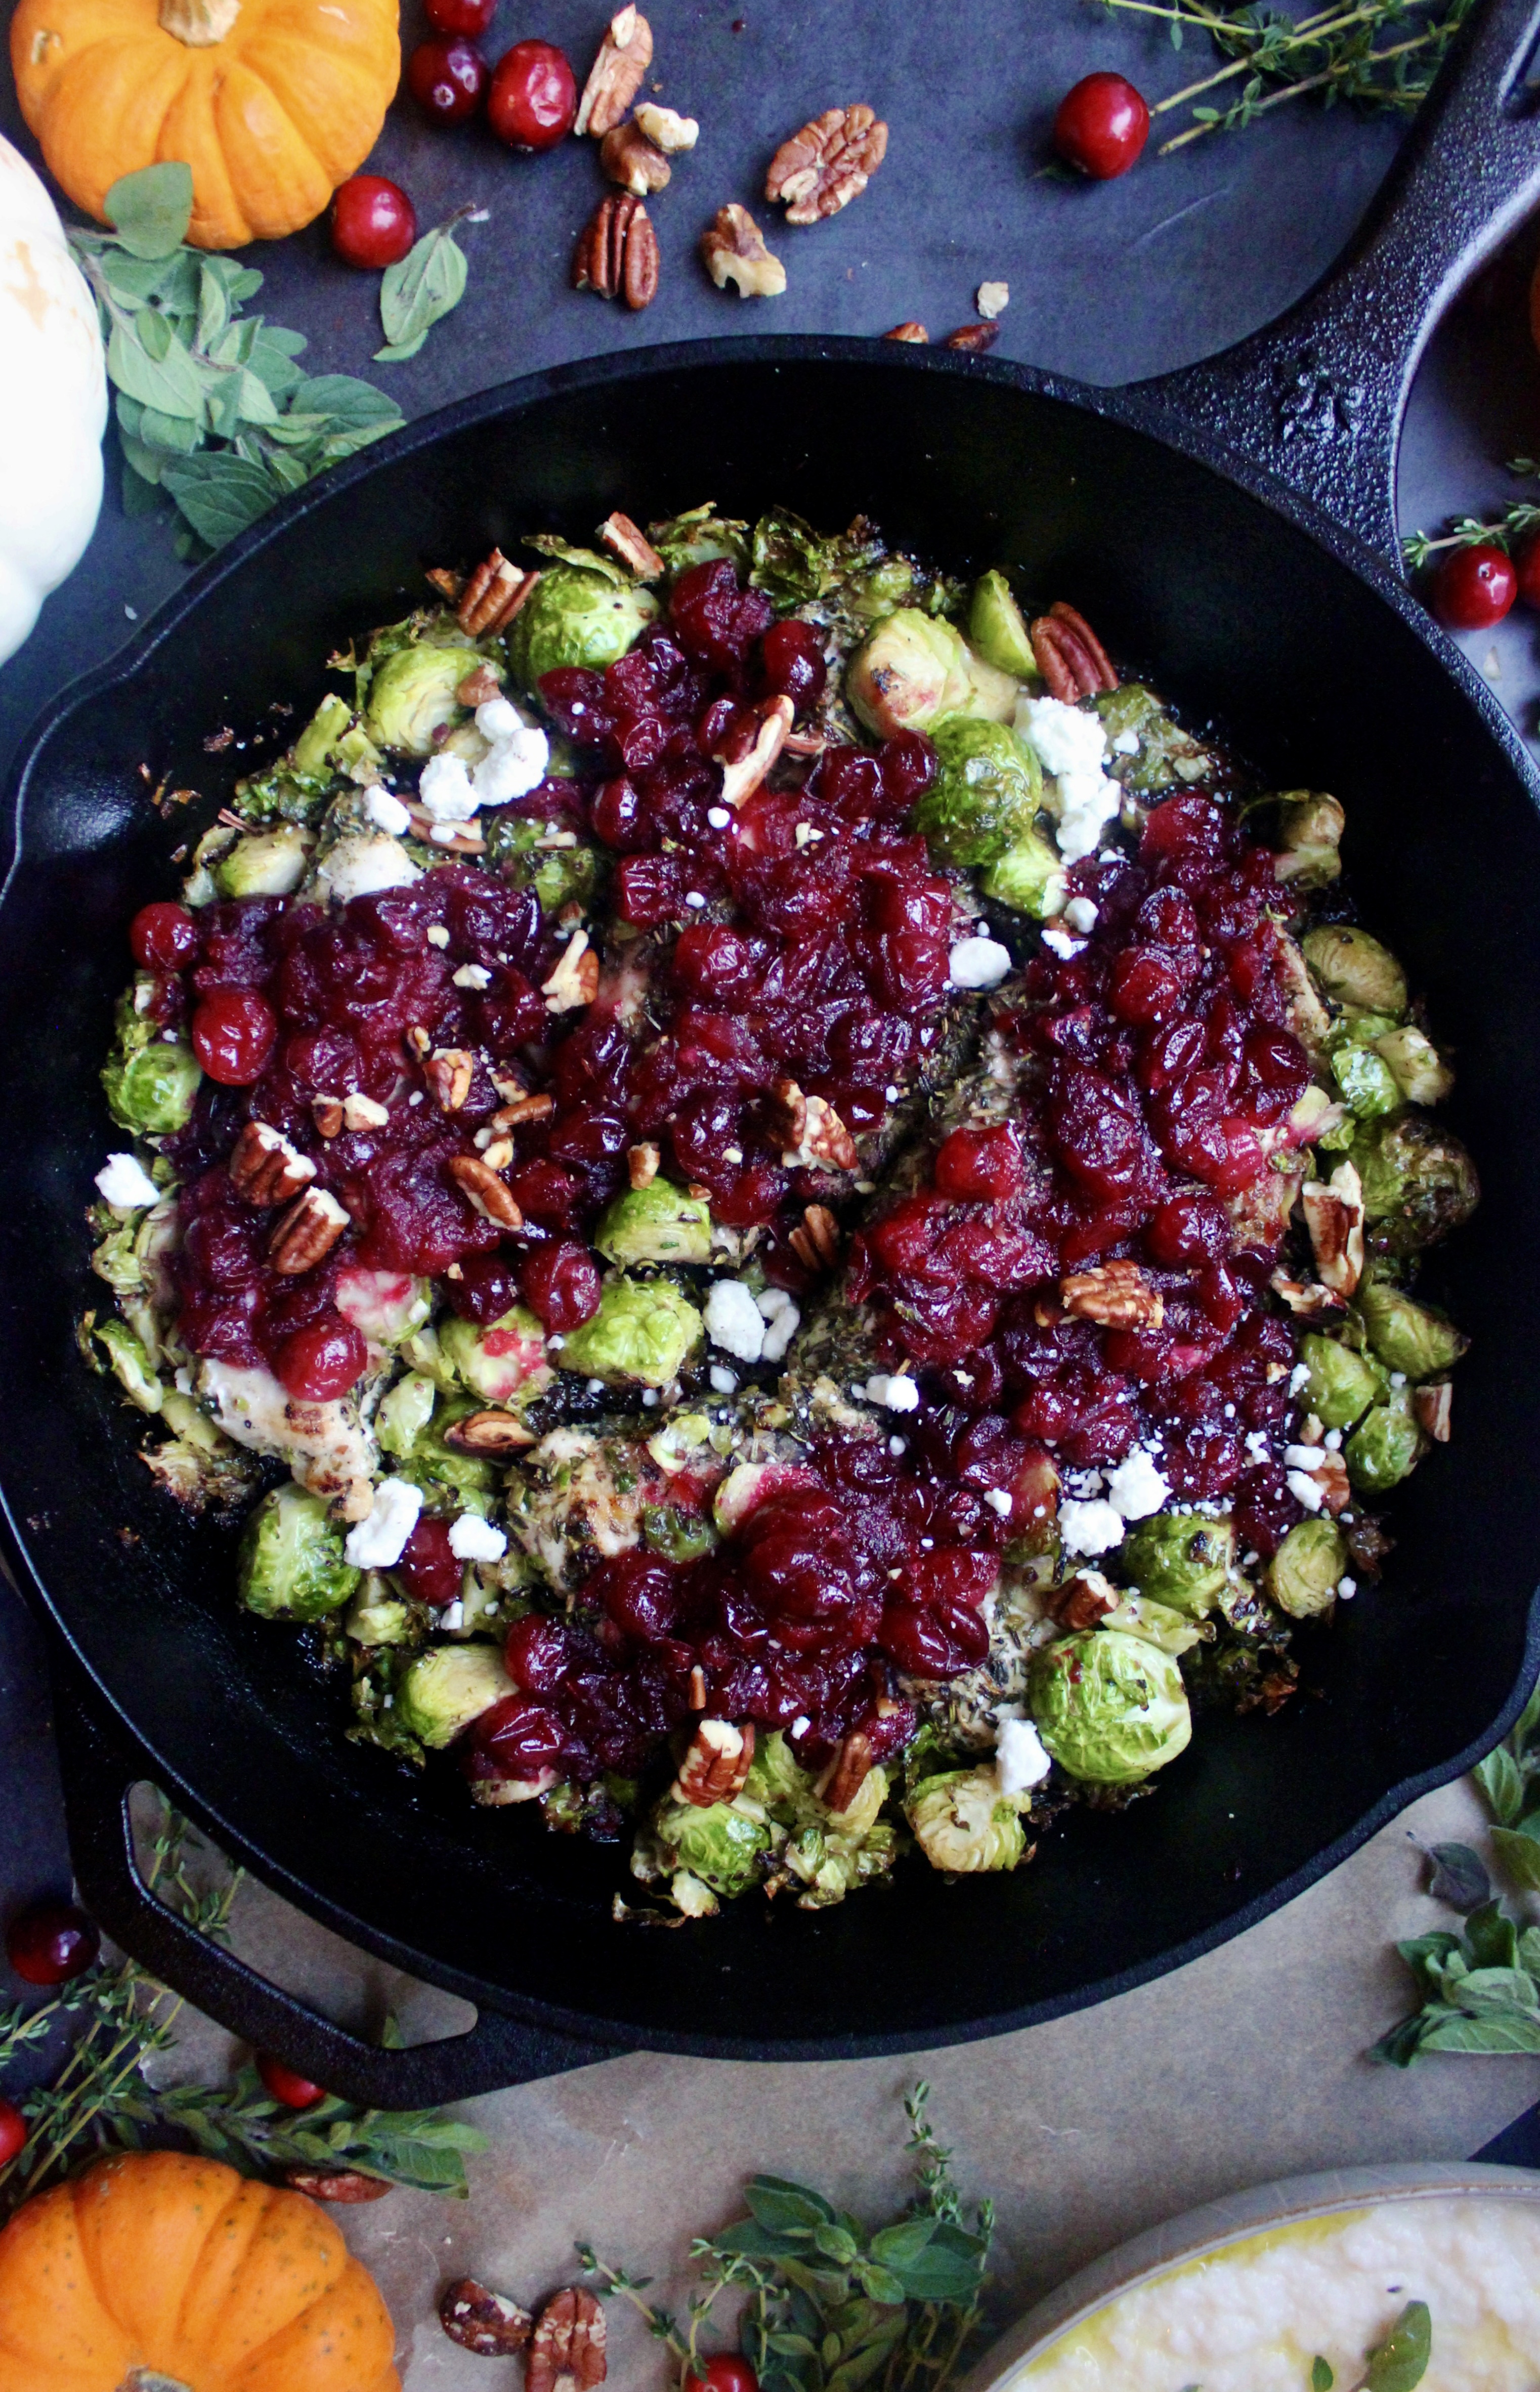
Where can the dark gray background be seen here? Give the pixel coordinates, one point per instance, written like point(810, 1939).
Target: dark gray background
point(1110, 283)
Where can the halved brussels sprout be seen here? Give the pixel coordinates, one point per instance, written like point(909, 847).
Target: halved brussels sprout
point(1158, 1623)
point(504, 1360)
point(1367, 1083)
point(291, 1564)
point(152, 1091)
point(405, 1411)
point(720, 1845)
point(271, 863)
point(441, 1692)
point(311, 752)
point(678, 1536)
point(1158, 754)
point(376, 1616)
point(1180, 1559)
point(1342, 1384)
point(575, 618)
point(996, 627)
point(913, 669)
point(413, 694)
point(1384, 1448)
point(1310, 826)
point(1110, 1708)
point(1303, 1574)
point(1029, 878)
point(1354, 969)
point(1421, 1074)
point(1406, 1336)
point(655, 1224)
point(985, 798)
point(388, 1306)
point(962, 1823)
point(1418, 1182)
point(643, 1331)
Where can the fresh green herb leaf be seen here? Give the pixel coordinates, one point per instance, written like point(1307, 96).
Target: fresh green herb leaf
point(1322, 2375)
point(421, 287)
point(1459, 1878)
point(1399, 2362)
point(220, 495)
point(150, 211)
point(1519, 1850)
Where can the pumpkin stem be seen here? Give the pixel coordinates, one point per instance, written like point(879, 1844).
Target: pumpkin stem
point(199, 23)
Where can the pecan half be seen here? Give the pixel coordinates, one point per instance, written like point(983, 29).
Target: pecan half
point(492, 1198)
point(617, 255)
point(631, 545)
point(493, 595)
point(489, 1433)
point(815, 1239)
point(1430, 1409)
point(732, 249)
point(338, 2184)
point(1334, 1215)
point(974, 337)
point(1116, 1294)
point(1084, 1600)
point(629, 158)
point(480, 687)
point(1069, 656)
point(266, 1168)
point(908, 330)
point(642, 1163)
point(849, 1771)
point(752, 747)
point(716, 1765)
point(568, 2351)
point(448, 1072)
point(666, 129)
point(488, 2323)
point(575, 977)
point(306, 1234)
point(615, 78)
point(829, 163)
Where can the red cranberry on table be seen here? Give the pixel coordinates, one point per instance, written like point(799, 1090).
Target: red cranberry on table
point(1473, 587)
point(1101, 126)
point(48, 1945)
point(164, 937)
point(13, 2132)
point(286, 2085)
point(446, 79)
point(374, 222)
point(469, 18)
point(319, 1363)
point(728, 2372)
point(534, 96)
point(233, 1035)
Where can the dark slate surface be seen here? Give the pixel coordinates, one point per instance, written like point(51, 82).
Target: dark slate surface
point(1112, 284)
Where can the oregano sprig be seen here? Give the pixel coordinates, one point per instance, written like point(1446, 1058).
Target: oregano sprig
point(1516, 521)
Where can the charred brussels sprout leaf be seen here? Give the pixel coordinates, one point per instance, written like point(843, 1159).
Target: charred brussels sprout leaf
point(996, 627)
point(1181, 1559)
point(700, 537)
point(291, 1564)
point(1354, 969)
point(575, 618)
point(1406, 1336)
point(1303, 1574)
point(1418, 1182)
point(983, 801)
point(1109, 1708)
point(792, 564)
point(1163, 756)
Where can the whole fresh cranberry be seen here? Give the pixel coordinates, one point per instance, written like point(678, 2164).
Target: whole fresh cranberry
point(48, 1945)
point(286, 2085)
point(322, 1361)
point(1474, 588)
point(373, 222)
point(1526, 565)
point(791, 656)
point(430, 1571)
point(469, 18)
point(164, 937)
point(561, 1285)
point(1102, 125)
point(234, 1033)
point(728, 2372)
point(446, 79)
point(13, 2132)
point(534, 96)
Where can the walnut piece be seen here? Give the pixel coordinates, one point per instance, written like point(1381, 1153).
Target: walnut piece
point(448, 1072)
point(1116, 1294)
point(815, 1239)
point(666, 129)
point(631, 545)
point(489, 1433)
point(306, 1233)
point(752, 747)
point(568, 2351)
point(575, 977)
point(266, 1168)
point(487, 2322)
point(617, 256)
point(629, 158)
point(492, 1198)
point(615, 78)
point(829, 163)
point(1334, 1215)
point(716, 1765)
point(734, 251)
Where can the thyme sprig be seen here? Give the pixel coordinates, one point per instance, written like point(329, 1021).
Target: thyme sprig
point(1332, 53)
point(100, 2100)
point(1522, 516)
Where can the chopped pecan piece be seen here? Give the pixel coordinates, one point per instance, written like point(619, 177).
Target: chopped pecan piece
point(849, 1771)
point(488, 2323)
point(642, 1163)
point(974, 337)
point(328, 1114)
point(1332, 1479)
point(629, 158)
point(448, 583)
point(523, 1110)
point(306, 1234)
point(1334, 1215)
point(716, 1765)
point(733, 250)
point(631, 546)
point(908, 330)
point(809, 1129)
point(266, 1168)
point(575, 977)
point(493, 595)
point(1069, 656)
point(815, 1239)
point(615, 78)
point(1116, 1294)
point(448, 1072)
point(1084, 1600)
point(361, 1112)
point(698, 1688)
point(489, 1433)
point(666, 129)
point(829, 163)
point(1305, 1297)
point(480, 687)
point(568, 2351)
point(349, 2185)
point(616, 255)
point(492, 1198)
point(1430, 1409)
point(752, 747)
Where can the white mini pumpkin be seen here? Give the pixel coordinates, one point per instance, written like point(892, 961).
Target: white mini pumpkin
point(53, 402)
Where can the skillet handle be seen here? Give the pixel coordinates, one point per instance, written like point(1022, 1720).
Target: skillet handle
point(99, 1768)
point(1317, 398)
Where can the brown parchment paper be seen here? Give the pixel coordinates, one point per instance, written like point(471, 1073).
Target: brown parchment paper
point(1248, 2065)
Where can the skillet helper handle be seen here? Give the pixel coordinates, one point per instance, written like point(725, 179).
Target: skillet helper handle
point(100, 1769)
point(1317, 398)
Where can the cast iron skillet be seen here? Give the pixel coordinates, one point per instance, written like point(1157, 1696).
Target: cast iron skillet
point(1249, 598)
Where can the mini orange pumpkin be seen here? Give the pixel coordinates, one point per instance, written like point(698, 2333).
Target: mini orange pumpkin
point(272, 103)
point(157, 2271)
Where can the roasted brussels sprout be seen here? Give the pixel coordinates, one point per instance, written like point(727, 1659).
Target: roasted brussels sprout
point(1368, 1085)
point(700, 537)
point(643, 1331)
point(443, 1690)
point(404, 1413)
point(996, 627)
point(1342, 1384)
point(291, 1564)
point(152, 1090)
point(1110, 1708)
point(913, 669)
point(504, 1360)
point(1029, 877)
point(377, 1616)
point(720, 1845)
point(575, 618)
point(1158, 1623)
point(413, 694)
point(983, 801)
point(1418, 1182)
point(1310, 829)
point(1354, 969)
point(1303, 1574)
point(270, 863)
point(130, 1365)
point(1180, 1559)
point(1148, 750)
point(827, 1852)
point(879, 589)
point(655, 1224)
point(1384, 1448)
point(1406, 1336)
point(963, 1822)
point(1421, 1074)
point(311, 752)
point(388, 1306)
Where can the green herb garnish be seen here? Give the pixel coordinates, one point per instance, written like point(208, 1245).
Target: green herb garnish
point(1467, 531)
point(420, 288)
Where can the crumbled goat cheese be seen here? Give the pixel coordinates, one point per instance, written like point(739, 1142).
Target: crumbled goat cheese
point(1071, 747)
point(1088, 803)
point(439, 936)
point(444, 792)
point(384, 811)
point(1081, 914)
point(473, 976)
point(475, 1541)
point(979, 963)
point(379, 1540)
point(125, 1185)
point(1020, 1760)
point(1125, 744)
point(1059, 942)
point(1298, 1378)
point(362, 863)
point(997, 1500)
point(734, 1320)
point(1304, 1456)
point(782, 1321)
point(718, 816)
point(896, 1392)
point(518, 757)
point(1306, 1490)
point(1347, 1587)
point(453, 1615)
point(1136, 1489)
point(724, 1382)
point(693, 898)
point(1092, 1527)
point(897, 1445)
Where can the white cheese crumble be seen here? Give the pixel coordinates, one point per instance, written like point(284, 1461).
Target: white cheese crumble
point(718, 816)
point(444, 792)
point(439, 936)
point(979, 963)
point(472, 1539)
point(1072, 745)
point(379, 1540)
point(1136, 1489)
point(518, 758)
point(724, 1382)
point(997, 1500)
point(896, 1392)
point(1298, 1378)
point(384, 811)
point(125, 1185)
point(1347, 1587)
point(1125, 744)
point(1092, 1527)
point(1059, 941)
point(1020, 1760)
point(1081, 914)
point(993, 299)
point(1304, 1456)
point(782, 1321)
point(1306, 1490)
point(734, 1320)
point(453, 1615)
point(473, 976)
